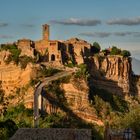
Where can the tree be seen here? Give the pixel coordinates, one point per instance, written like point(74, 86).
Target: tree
point(95, 48)
point(7, 129)
point(115, 51)
point(125, 53)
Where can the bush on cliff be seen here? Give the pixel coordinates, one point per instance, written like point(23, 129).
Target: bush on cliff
point(115, 51)
point(15, 52)
point(125, 53)
point(46, 72)
point(82, 72)
point(24, 60)
point(95, 48)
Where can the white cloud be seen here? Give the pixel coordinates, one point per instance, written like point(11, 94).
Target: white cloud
point(78, 22)
point(125, 21)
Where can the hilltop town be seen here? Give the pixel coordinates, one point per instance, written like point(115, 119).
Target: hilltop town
point(95, 81)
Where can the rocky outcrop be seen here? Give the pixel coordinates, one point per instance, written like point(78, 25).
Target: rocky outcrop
point(111, 72)
point(76, 93)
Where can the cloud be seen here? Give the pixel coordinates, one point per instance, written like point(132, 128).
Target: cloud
point(28, 25)
point(107, 34)
point(5, 37)
point(78, 22)
point(125, 21)
point(96, 34)
point(124, 33)
point(3, 24)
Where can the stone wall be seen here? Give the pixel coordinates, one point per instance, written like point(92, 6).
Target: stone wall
point(80, 48)
point(26, 46)
point(52, 134)
point(41, 46)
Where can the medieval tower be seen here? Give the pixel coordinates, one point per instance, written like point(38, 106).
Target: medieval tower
point(45, 32)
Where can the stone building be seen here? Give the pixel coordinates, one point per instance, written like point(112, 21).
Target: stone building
point(26, 46)
point(61, 51)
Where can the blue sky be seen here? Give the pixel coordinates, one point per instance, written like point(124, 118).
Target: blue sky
point(108, 22)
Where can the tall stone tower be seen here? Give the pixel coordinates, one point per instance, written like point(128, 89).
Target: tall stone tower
point(45, 31)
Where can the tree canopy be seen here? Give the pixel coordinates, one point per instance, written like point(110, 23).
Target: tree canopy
point(95, 48)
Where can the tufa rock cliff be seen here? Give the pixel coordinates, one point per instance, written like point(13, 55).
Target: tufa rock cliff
point(114, 73)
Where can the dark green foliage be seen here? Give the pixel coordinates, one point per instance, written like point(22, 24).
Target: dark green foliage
point(7, 129)
point(104, 100)
point(125, 53)
point(129, 120)
point(20, 114)
point(115, 51)
point(95, 48)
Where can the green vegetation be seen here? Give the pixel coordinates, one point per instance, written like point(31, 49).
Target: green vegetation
point(119, 113)
point(14, 118)
point(24, 60)
point(82, 73)
point(46, 72)
point(15, 57)
point(105, 103)
point(125, 53)
point(116, 51)
point(70, 65)
point(15, 52)
point(95, 48)
point(128, 120)
point(7, 129)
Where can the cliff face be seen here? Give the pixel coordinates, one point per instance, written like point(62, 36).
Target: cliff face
point(74, 101)
point(113, 73)
point(14, 81)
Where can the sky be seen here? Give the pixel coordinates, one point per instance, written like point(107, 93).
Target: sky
point(109, 22)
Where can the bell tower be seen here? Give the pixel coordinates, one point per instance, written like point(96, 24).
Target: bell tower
point(45, 31)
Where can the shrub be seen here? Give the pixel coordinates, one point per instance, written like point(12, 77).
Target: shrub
point(46, 72)
point(95, 48)
point(15, 52)
point(82, 72)
point(7, 129)
point(24, 60)
point(70, 65)
point(125, 53)
point(115, 51)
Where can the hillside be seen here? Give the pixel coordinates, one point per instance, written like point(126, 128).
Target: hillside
point(78, 85)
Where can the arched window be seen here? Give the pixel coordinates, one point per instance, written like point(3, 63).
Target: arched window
point(52, 57)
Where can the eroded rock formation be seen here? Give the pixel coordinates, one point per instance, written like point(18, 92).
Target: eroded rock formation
point(114, 73)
